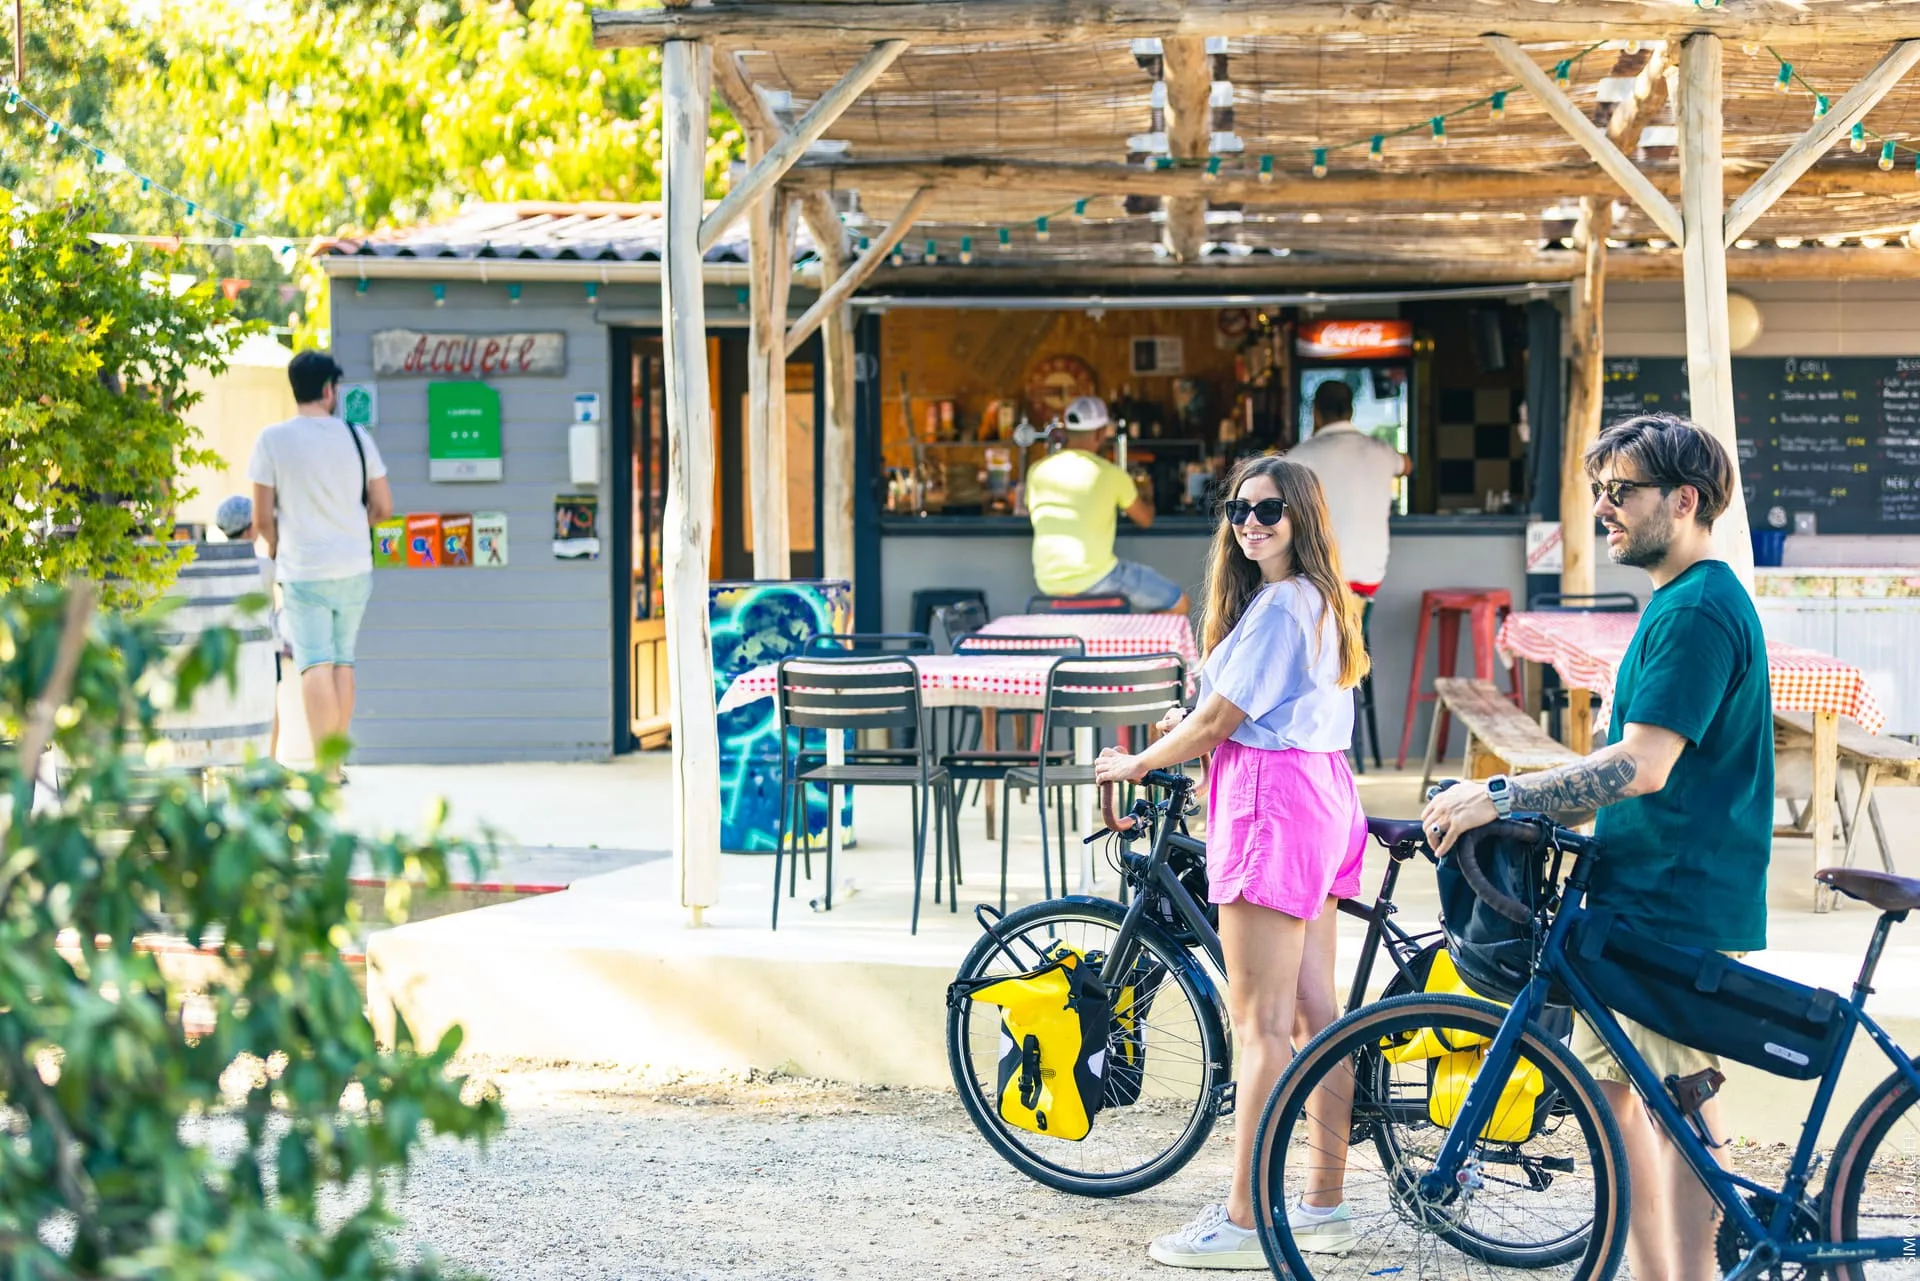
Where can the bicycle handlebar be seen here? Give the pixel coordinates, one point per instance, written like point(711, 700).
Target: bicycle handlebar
point(1110, 814)
point(1527, 830)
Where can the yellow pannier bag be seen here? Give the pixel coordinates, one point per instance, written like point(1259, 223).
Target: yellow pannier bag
point(1053, 1045)
point(1456, 1056)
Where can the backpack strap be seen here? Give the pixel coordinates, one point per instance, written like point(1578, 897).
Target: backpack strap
point(360, 449)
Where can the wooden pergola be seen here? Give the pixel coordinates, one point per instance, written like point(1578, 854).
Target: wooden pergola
point(1234, 146)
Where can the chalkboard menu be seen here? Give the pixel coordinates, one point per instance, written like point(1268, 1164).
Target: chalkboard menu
point(1836, 439)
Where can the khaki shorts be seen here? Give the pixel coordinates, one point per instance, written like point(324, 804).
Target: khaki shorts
point(1667, 1057)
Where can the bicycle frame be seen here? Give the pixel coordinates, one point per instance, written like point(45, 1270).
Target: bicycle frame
point(1383, 932)
point(1726, 1187)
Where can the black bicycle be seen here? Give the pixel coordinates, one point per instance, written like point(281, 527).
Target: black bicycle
point(1170, 1050)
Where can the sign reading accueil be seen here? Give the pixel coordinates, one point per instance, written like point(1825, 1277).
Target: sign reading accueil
point(463, 432)
point(402, 353)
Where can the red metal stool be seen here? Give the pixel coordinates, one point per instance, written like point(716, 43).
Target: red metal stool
point(1484, 608)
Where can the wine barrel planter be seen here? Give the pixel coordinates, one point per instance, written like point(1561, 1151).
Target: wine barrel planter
point(226, 724)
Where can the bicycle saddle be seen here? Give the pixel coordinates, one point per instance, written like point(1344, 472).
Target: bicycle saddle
point(1395, 831)
point(1883, 890)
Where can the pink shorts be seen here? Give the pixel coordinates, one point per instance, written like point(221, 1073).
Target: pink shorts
point(1284, 829)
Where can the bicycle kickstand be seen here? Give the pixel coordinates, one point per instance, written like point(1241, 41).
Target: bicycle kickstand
point(1690, 1093)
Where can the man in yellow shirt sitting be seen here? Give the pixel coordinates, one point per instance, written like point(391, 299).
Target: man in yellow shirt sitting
point(1074, 499)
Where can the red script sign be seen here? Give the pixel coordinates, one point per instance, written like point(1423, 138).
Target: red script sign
point(403, 353)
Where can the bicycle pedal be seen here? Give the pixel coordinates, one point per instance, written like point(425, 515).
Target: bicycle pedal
point(1225, 1099)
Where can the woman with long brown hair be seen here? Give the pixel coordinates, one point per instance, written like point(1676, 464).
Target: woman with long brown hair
point(1284, 826)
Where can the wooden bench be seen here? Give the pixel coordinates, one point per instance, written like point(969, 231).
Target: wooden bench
point(1875, 759)
point(1501, 739)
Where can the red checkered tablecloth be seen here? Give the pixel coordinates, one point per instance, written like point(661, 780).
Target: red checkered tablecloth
point(1586, 650)
point(1108, 635)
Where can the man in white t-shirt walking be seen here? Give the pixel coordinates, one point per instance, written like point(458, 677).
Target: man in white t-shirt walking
point(319, 486)
point(1358, 473)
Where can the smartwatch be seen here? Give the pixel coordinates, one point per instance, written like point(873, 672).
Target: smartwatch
point(1500, 792)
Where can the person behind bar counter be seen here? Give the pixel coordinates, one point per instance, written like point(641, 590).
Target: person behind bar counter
point(1074, 499)
point(1358, 473)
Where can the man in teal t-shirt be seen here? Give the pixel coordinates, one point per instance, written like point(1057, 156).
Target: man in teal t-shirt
point(1683, 787)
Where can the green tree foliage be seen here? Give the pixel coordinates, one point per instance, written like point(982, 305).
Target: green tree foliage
point(299, 118)
point(95, 351)
point(147, 1134)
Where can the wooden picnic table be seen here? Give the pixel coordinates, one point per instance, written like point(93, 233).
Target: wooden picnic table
point(1586, 650)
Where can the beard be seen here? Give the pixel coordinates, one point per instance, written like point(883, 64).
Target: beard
point(1645, 545)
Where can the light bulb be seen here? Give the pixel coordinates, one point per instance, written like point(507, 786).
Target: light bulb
point(1820, 105)
point(1783, 83)
point(1266, 169)
point(13, 101)
point(1886, 155)
point(1006, 237)
point(1499, 105)
point(1376, 149)
point(933, 252)
point(1439, 125)
point(966, 250)
point(1212, 173)
point(1857, 141)
point(1319, 162)
point(1563, 73)
point(1040, 230)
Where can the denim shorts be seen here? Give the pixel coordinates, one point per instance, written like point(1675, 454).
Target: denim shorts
point(1148, 590)
point(323, 618)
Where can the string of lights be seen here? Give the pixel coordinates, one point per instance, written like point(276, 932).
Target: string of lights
point(110, 163)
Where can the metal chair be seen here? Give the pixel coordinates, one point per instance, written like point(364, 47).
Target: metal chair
point(868, 644)
point(858, 694)
point(1095, 694)
point(929, 601)
point(1364, 719)
point(1104, 603)
point(963, 756)
point(957, 621)
point(1555, 697)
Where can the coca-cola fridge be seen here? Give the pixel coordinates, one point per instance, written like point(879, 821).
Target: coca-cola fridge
point(1374, 358)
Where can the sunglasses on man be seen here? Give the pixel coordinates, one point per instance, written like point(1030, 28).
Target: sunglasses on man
point(1267, 511)
point(1618, 490)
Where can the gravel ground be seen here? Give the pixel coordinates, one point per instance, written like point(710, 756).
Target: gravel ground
point(608, 1173)
point(602, 1173)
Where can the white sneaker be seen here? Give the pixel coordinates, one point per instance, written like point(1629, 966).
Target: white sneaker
point(1212, 1240)
point(1321, 1233)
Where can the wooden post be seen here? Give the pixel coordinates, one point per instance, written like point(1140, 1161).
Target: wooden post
point(1826, 762)
point(835, 296)
point(1585, 385)
point(770, 258)
point(791, 145)
point(1186, 70)
point(686, 93)
point(1704, 268)
point(1819, 139)
point(836, 445)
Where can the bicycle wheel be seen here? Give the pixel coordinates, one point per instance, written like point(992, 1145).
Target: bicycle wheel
point(1520, 1202)
point(1871, 1183)
point(1177, 1040)
point(1500, 1247)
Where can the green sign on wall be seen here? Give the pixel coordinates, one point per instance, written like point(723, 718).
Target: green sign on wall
point(463, 432)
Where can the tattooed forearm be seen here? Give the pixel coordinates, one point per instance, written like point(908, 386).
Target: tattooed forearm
point(1579, 788)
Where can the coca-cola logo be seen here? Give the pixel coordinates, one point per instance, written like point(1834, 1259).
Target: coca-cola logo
point(1356, 337)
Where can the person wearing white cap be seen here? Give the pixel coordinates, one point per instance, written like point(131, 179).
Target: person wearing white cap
point(1074, 499)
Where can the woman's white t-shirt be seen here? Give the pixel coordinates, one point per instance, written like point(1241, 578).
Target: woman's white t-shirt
point(1281, 666)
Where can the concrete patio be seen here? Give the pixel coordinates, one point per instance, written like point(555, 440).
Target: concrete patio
point(610, 971)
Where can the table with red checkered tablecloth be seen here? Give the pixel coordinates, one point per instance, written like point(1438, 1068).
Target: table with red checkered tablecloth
point(946, 680)
point(1586, 649)
point(1108, 635)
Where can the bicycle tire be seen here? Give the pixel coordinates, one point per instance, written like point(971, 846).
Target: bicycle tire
point(1889, 1105)
point(1398, 1222)
point(1405, 983)
point(1045, 1160)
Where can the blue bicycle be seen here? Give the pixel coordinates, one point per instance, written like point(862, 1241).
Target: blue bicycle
point(1477, 1072)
